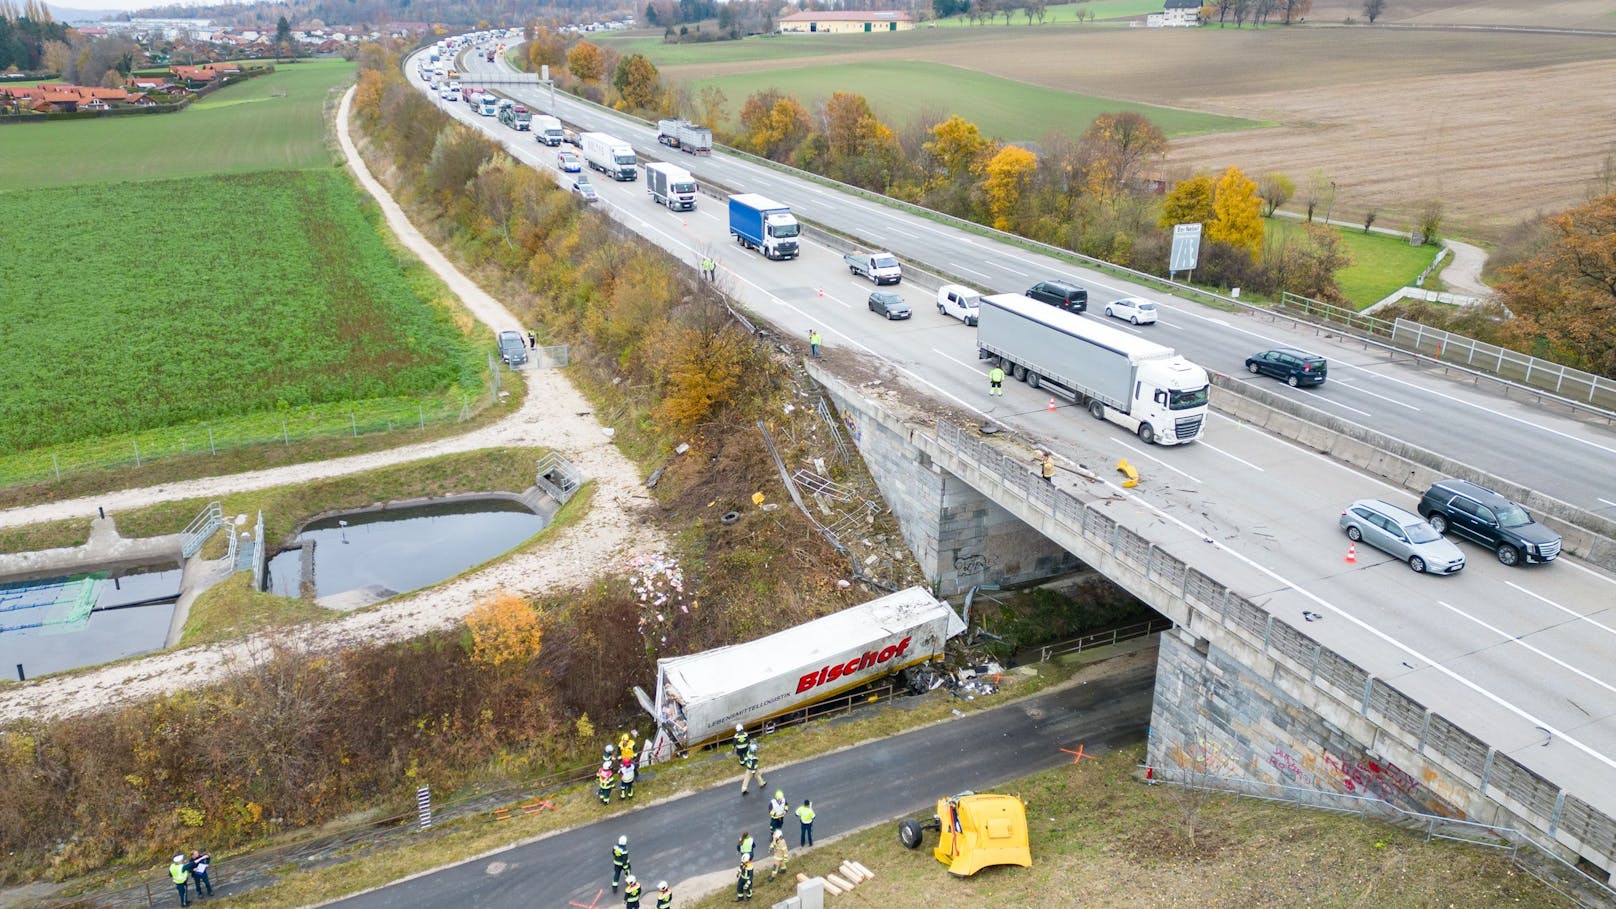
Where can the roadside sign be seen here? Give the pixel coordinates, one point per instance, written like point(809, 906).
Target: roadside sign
point(1186, 250)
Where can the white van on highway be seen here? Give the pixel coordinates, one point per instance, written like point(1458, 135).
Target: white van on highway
point(959, 301)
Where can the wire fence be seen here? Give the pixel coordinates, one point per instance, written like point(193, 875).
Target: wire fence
point(1523, 849)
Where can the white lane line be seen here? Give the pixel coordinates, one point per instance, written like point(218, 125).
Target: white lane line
point(1570, 612)
point(972, 367)
point(1606, 501)
point(973, 271)
point(1586, 570)
point(1236, 458)
point(1515, 639)
point(1323, 400)
point(1019, 274)
point(902, 233)
point(1148, 456)
point(1364, 391)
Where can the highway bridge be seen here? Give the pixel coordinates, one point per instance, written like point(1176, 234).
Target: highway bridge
point(1490, 693)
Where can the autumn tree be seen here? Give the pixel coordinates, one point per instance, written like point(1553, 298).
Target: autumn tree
point(713, 100)
point(702, 366)
point(1307, 263)
point(1564, 297)
point(545, 48)
point(1236, 212)
point(1294, 10)
point(1372, 9)
point(957, 150)
point(1115, 149)
point(848, 120)
point(773, 125)
point(638, 82)
point(1009, 173)
point(586, 62)
point(1315, 190)
point(858, 148)
point(1189, 202)
point(504, 629)
point(1275, 190)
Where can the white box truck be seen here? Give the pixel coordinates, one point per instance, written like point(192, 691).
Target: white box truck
point(609, 155)
point(701, 697)
point(670, 185)
point(880, 267)
point(1137, 384)
point(547, 129)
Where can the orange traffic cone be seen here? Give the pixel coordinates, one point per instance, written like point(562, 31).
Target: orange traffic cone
point(1352, 553)
point(1052, 404)
point(821, 291)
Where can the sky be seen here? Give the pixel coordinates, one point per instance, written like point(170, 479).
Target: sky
point(68, 11)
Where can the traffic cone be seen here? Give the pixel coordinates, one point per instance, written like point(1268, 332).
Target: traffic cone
point(1352, 553)
point(1051, 407)
point(821, 291)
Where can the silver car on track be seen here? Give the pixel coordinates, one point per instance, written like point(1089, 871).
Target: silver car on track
point(1402, 534)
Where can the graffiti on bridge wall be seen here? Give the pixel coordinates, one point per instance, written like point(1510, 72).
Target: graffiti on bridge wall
point(1376, 779)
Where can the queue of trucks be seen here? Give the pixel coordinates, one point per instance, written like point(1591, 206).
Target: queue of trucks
point(1135, 383)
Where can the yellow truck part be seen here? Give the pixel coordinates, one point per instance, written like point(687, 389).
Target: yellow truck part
point(976, 831)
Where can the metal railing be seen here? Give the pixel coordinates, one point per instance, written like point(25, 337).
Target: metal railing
point(196, 533)
point(1510, 365)
point(1493, 773)
point(1524, 850)
point(558, 476)
point(1048, 652)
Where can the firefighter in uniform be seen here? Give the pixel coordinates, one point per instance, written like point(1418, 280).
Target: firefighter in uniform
point(664, 896)
point(780, 851)
point(605, 779)
point(741, 741)
point(743, 881)
point(778, 806)
point(749, 768)
point(620, 864)
point(631, 892)
point(625, 776)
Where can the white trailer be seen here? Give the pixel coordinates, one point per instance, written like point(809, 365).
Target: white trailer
point(701, 697)
point(670, 185)
point(609, 155)
point(1137, 384)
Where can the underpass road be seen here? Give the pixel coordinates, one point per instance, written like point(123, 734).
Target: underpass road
point(1518, 657)
point(695, 835)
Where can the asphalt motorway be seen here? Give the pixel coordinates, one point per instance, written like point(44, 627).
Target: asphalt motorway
point(1521, 657)
point(1555, 454)
point(694, 836)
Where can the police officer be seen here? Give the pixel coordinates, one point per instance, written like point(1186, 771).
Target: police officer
point(749, 768)
point(664, 896)
point(805, 817)
point(179, 871)
point(620, 864)
point(631, 893)
point(996, 382)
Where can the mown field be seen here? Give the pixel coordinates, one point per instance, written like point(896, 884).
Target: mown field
point(138, 305)
point(898, 91)
point(267, 123)
point(1380, 263)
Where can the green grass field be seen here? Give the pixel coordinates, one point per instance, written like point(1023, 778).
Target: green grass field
point(1013, 111)
point(140, 305)
point(1380, 263)
point(268, 123)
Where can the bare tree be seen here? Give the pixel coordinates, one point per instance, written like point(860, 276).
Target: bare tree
point(1295, 10)
point(1372, 9)
point(1369, 219)
point(1314, 192)
point(1275, 189)
point(1604, 182)
point(1431, 219)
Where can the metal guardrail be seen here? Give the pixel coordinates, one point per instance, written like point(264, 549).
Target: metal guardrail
point(1524, 851)
point(1532, 372)
point(1103, 638)
point(196, 533)
point(1562, 815)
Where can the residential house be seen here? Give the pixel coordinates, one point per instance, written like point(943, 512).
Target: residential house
point(818, 21)
point(1176, 14)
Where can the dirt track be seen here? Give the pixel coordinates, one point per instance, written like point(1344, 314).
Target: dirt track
point(554, 414)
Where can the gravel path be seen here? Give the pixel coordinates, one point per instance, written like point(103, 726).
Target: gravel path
point(554, 414)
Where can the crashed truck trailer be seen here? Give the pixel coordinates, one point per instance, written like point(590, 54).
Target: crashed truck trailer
point(700, 697)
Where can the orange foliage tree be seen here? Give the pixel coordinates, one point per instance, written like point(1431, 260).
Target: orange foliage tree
point(1237, 213)
point(1009, 173)
point(1564, 298)
point(586, 61)
point(504, 629)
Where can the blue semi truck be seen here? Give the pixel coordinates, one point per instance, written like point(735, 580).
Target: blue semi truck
point(759, 223)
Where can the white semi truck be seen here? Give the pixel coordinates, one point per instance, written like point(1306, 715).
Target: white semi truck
point(670, 185)
point(701, 697)
point(1137, 384)
point(547, 129)
point(609, 155)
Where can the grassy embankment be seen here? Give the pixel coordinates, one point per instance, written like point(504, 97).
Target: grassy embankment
point(259, 303)
point(1380, 263)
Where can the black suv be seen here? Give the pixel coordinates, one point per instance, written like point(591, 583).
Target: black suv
point(1483, 516)
point(512, 348)
point(1069, 297)
point(1296, 367)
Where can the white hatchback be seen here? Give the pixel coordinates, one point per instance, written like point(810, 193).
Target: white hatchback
point(1135, 310)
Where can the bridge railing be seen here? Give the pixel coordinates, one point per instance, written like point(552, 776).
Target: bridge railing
point(1494, 774)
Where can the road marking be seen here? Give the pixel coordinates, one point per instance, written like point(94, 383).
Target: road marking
point(972, 367)
point(1516, 639)
point(1364, 391)
point(1606, 501)
point(903, 233)
point(1324, 400)
point(1548, 602)
point(971, 270)
point(1202, 443)
point(1144, 454)
point(1019, 274)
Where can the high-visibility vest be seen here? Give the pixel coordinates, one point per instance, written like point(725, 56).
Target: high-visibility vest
point(619, 857)
point(777, 808)
point(749, 760)
point(805, 814)
point(178, 873)
point(996, 374)
point(744, 847)
point(627, 773)
point(632, 891)
point(664, 900)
